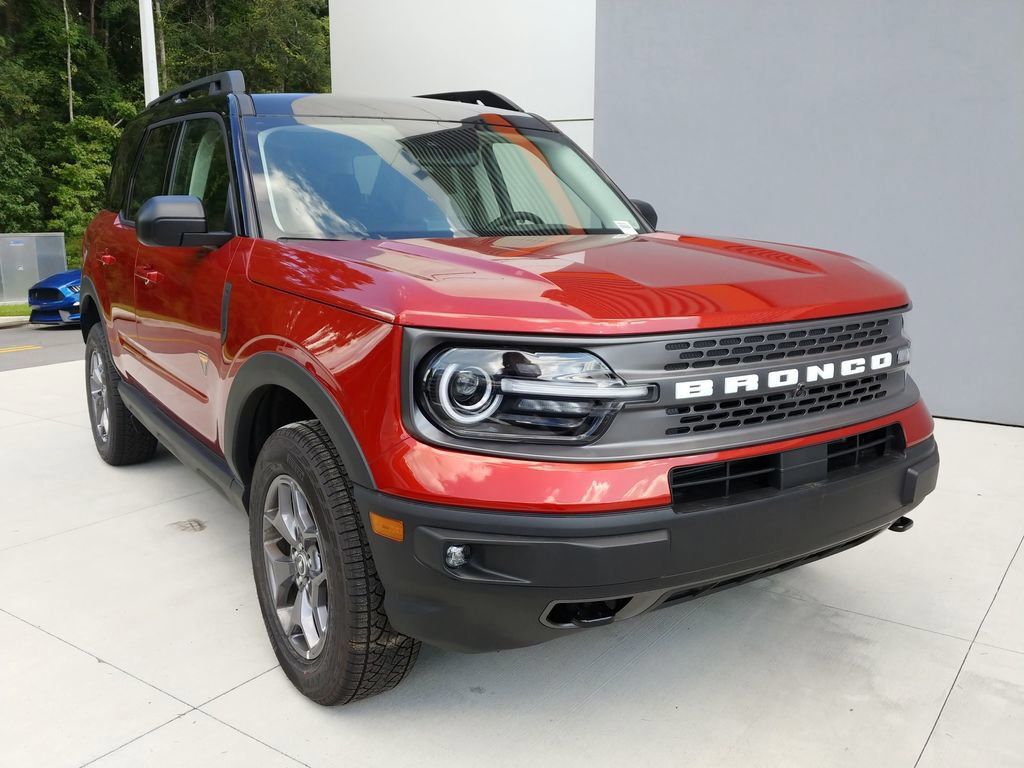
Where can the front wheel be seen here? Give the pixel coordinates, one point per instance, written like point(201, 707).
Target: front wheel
point(318, 589)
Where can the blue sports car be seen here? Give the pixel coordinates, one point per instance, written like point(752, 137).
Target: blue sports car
point(54, 301)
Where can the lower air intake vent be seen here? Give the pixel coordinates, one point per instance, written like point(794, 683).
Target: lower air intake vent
point(746, 479)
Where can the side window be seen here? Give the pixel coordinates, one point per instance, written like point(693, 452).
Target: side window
point(202, 170)
point(152, 168)
point(121, 166)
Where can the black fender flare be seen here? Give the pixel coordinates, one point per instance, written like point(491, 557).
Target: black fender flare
point(87, 292)
point(272, 369)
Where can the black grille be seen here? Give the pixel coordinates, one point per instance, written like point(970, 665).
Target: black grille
point(742, 348)
point(743, 479)
point(45, 294)
point(761, 409)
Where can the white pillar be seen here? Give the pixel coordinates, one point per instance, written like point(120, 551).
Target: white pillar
point(149, 75)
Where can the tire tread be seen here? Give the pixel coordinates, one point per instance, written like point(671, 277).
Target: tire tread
point(377, 656)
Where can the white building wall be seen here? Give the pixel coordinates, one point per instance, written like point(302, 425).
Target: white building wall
point(893, 131)
point(538, 53)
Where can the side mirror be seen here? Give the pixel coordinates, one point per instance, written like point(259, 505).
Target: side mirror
point(647, 211)
point(175, 221)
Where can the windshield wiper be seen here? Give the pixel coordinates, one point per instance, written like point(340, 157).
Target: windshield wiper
point(334, 238)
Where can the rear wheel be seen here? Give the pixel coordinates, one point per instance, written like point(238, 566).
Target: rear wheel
point(120, 438)
point(322, 602)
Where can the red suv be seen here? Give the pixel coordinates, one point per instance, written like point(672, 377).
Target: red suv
point(465, 390)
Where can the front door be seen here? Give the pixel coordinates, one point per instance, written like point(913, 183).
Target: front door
point(179, 291)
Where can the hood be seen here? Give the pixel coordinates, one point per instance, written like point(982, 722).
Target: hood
point(584, 284)
point(61, 279)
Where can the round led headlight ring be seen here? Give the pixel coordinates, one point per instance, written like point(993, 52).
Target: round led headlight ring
point(466, 393)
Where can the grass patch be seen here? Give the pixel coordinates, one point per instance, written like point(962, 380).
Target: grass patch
point(14, 310)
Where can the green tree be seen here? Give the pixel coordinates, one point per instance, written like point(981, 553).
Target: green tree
point(20, 87)
point(280, 46)
point(20, 196)
point(79, 180)
point(53, 170)
point(19, 191)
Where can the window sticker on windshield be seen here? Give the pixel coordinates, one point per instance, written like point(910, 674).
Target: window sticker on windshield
point(626, 227)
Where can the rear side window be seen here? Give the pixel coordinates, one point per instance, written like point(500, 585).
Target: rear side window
point(121, 166)
point(202, 170)
point(151, 171)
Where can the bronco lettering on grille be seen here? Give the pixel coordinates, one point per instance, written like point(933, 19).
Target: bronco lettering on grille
point(784, 378)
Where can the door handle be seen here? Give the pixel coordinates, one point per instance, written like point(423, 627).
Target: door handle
point(107, 259)
point(149, 276)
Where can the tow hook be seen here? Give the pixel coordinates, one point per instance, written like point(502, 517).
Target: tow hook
point(902, 524)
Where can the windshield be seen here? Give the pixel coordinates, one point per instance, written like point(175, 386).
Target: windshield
point(329, 178)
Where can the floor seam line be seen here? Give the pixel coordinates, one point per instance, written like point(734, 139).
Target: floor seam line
point(146, 508)
point(94, 656)
point(236, 687)
point(258, 741)
point(20, 413)
point(140, 736)
point(31, 420)
point(57, 420)
point(36, 415)
point(999, 647)
point(959, 671)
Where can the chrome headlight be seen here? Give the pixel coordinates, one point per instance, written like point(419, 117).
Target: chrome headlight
point(530, 396)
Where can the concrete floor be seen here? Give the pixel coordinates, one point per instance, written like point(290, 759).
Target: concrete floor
point(130, 635)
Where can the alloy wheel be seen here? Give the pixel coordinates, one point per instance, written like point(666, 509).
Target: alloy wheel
point(295, 568)
point(98, 395)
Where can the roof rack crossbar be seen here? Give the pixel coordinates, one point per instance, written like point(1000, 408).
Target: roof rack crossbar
point(231, 81)
point(484, 98)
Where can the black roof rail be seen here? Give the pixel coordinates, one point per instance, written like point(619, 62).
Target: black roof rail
point(484, 98)
point(231, 81)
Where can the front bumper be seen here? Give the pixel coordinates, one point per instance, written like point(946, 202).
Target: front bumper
point(55, 313)
point(534, 577)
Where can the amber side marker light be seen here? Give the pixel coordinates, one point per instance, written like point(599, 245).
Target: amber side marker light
point(387, 527)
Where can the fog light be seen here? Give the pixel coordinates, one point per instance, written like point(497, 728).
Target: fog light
point(903, 355)
point(456, 556)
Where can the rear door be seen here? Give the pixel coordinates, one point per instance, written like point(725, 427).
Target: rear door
point(115, 245)
point(179, 291)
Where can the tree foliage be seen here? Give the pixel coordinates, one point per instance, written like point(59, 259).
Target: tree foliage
point(19, 186)
point(80, 178)
point(280, 46)
point(52, 169)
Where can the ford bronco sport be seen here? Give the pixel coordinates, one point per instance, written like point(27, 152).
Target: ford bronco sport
point(466, 391)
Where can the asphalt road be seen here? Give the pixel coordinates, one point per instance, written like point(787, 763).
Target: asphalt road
point(26, 346)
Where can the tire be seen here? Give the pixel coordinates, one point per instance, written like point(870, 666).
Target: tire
point(321, 598)
point(120, 438)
